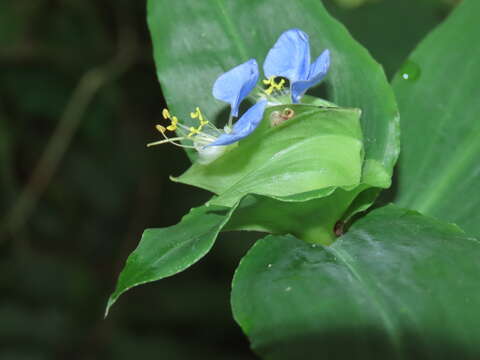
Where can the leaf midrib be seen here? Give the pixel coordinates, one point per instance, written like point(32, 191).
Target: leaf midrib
point(348, 262)
point(232, 30)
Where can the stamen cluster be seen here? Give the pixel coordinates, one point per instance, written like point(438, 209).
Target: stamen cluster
point(198, 135)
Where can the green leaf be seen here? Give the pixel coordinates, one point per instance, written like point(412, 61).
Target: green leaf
point(398, 285)
point(199, 40)
point(168, 251)
point(315, 149)
point(438, 95)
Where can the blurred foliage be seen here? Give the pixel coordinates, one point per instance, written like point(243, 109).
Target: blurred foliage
point(61, 256)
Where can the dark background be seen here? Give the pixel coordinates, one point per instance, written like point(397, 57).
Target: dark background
point(78, 102)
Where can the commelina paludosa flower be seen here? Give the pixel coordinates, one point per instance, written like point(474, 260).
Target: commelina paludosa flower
point(210, 142)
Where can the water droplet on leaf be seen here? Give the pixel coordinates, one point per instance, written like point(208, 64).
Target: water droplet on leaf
point(410, 71)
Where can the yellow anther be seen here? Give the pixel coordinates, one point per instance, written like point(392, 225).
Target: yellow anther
point(268, 81)
point(194, 131)
point(166, 114)
point(173, 120)
point(161, 128)
point(173, 126)
point(273, 85)
point(198, 115)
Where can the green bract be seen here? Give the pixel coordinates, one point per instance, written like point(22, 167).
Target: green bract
point(301, 159)
point(313, 149)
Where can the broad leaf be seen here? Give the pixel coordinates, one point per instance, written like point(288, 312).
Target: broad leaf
point(398, 285)
point(438, 95)
point(165, 252)
point(315, 149)
point(196, 41)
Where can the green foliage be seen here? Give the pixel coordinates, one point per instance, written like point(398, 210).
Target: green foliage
point(391, 287)
point(438, 96)
point(398, 285)
point(165, 252)
point(287, 168)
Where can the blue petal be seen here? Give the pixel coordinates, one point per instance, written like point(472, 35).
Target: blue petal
point(320, 67)
point(234, 85)
point(289, 57)
point(317, 72)
point(244, 126)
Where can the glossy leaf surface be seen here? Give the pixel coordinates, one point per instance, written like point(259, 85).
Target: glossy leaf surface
point(196, 41)
point(165, 252)
point(398, 285)
point(438, 94)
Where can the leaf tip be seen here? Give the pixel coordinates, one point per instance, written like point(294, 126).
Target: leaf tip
point(111, 300)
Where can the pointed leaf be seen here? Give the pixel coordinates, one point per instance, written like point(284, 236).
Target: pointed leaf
point(165, 252)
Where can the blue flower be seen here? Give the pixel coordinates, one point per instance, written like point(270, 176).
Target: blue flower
point(231, 87)
point(244, 126)
point(290, 58)
point(235, 85)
